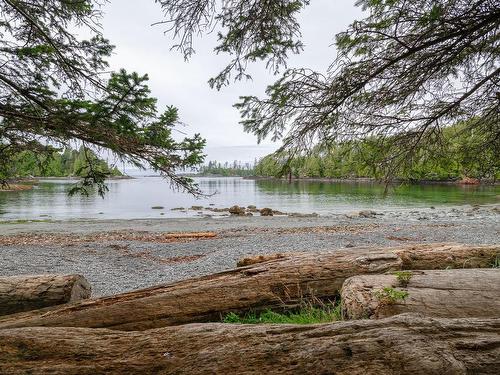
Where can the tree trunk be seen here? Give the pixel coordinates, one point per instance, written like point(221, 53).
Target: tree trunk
point(30, 292)
point(440, 293)
point(264, 285)
point(404, 344)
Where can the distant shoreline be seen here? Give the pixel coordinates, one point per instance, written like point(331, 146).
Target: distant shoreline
point(463, 182)
point(466, 182)
point(79, 178)
point(24, 184)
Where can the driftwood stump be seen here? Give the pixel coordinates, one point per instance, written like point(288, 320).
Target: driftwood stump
point(438, 293)
point(30, 292)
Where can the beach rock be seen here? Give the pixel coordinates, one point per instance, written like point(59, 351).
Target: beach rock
point(197, 208)
point(252, 207)
point(469, 181)
point(298, 214)
point(369, 214)
point(266, 212)
point(276, 212)
point(237, 210)
point(219, 209)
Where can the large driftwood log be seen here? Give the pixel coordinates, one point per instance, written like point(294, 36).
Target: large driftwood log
point(405, 344)
point(30, 292)
point(264, 285)
point(440, 293)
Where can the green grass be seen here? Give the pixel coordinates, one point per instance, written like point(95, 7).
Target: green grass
point(390, 295)
point(403, 277)
point(306, 314)
point(496, 262)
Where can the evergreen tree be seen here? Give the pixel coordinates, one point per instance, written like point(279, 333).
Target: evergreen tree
point(53, 87)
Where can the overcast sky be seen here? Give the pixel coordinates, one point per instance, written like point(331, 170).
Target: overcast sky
point(144, 48)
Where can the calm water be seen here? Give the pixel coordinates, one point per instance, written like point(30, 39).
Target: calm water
point(129, 199)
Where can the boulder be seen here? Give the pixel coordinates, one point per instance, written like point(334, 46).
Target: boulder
point(237, 210)
point(369, 214)
point(266, 212)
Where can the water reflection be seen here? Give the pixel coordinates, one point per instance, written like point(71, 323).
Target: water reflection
point(391, 195)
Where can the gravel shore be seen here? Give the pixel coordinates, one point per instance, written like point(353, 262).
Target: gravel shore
point(121, 255)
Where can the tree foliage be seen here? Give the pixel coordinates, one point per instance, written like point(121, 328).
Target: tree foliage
point(249, 31)
point(54, 89)
point(403, 74)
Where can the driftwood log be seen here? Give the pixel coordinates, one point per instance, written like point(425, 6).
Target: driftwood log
point(264, 285)
point(30, 292)
point(404, 344)
point(439, 293)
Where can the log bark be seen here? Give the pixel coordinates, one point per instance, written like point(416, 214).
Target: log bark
point(404, 344)
point(265, 285)
point(440, 293)
point(30, 292)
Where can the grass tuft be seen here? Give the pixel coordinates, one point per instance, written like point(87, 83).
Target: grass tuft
point(496, 262)
point(403, 278)
point(390, 296)
point(306, 314)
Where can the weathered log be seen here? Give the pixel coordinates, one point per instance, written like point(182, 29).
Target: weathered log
point(404, 344)
point(440, 293)
point(190, 235)
point(259, 259)
point(30, 292)
point(264, 285)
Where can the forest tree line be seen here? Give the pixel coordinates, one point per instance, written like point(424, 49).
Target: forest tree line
point(60, 163)
point(453, 158)
point(226, 169)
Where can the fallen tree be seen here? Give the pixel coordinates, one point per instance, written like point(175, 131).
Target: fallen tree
point(265, 285)
point(405, 344)
point(30, 292)
point(438, 293)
